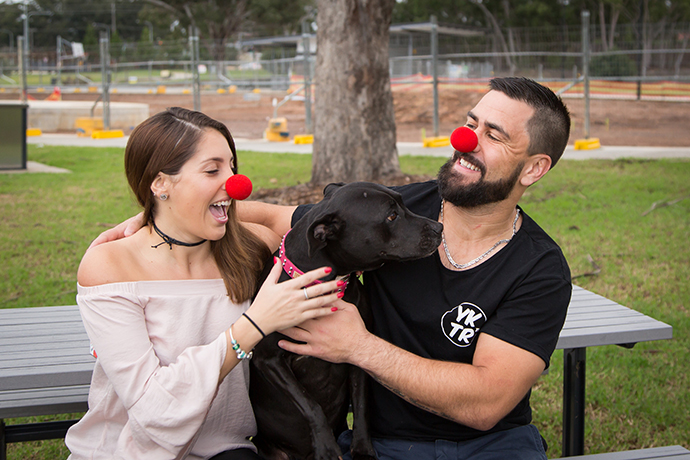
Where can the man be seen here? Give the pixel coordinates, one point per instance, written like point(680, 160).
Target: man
point(461, 336)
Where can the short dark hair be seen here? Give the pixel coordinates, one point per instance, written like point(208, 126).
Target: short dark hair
point(549, 127)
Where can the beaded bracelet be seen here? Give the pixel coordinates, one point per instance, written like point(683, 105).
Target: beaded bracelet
point(241, 354)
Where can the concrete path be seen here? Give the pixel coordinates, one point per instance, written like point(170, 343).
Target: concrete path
point(35, 167)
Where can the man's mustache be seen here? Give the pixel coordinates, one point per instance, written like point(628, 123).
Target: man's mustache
point(470, 158)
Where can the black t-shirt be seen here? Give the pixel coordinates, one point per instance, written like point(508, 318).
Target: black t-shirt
point(520, 295)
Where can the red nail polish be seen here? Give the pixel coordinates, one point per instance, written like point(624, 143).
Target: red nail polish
point(341, 283)
point(328, 270)
point(275, 260)
point(340, 295)
point(334, 308)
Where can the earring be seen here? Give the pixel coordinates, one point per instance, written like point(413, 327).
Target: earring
point(164, 197)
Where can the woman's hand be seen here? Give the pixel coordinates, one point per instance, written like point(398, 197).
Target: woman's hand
point(281, 305)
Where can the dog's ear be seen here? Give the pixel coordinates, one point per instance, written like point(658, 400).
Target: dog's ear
point(330, 188)
point(326, 227)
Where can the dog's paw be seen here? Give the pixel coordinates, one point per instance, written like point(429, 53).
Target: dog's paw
point(327, 452)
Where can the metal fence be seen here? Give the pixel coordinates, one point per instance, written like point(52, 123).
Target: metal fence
point(545, 53)
point(420, 54)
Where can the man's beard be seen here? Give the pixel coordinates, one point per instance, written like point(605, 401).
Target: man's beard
point(479, 193)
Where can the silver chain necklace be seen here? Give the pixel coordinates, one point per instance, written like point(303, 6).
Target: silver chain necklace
point(474, 261)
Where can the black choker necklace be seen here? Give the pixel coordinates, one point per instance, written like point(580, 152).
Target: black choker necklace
point(170, 241)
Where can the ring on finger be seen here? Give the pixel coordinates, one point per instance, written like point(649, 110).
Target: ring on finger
point(306, 294)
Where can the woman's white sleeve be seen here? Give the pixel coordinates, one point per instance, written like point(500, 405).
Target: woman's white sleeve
point(166, 405)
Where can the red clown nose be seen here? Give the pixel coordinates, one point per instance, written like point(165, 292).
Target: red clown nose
point(239, 187)
point(464, 139)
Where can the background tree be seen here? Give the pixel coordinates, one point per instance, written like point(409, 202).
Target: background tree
point(277, 17)
point(71, 18)
point(217, 20)
point(354, 129)
point(450, 11)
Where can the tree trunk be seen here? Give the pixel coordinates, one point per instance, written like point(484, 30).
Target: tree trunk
point(499, 34)
point(602, 26)
point(615, 13)
point(354, 123)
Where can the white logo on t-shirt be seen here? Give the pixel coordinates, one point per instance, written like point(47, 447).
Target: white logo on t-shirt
point(462, 324)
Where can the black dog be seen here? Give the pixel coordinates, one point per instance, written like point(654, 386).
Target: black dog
point(300, 402)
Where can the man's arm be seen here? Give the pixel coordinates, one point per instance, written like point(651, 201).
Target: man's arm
point(122, 230)
point(276, 217)
point(477, 395)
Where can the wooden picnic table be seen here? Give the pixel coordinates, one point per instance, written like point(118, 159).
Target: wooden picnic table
point(45, 364)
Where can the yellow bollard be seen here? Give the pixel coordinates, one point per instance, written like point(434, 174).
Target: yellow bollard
point(277, 130)
point(587, 144)
point(107, 134)
point(304, 139)
point(436, 142)
point(85, 126)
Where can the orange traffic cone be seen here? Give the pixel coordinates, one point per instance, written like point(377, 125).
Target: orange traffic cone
point(56, 95)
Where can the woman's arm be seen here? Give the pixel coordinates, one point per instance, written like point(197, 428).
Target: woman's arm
point(278, 306)
point(166, 404)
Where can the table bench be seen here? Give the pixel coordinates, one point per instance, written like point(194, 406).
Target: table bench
point(655, 453)
point(45, 365)
point(594, 320)
point(45, 369)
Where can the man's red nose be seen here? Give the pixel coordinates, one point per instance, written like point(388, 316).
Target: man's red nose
point(464, 139)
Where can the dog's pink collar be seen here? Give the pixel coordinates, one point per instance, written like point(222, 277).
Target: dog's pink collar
point(291, 269)
point(288, 266)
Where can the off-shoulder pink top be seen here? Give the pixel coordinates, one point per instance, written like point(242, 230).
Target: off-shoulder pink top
point(154, 392)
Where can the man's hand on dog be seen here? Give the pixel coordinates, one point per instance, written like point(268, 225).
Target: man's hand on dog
point(335, 338)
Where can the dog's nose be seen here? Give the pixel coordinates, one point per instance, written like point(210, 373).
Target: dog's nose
point(431, 236)
point(435, 227)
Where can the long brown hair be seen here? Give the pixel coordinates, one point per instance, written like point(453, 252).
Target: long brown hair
point(164, 143)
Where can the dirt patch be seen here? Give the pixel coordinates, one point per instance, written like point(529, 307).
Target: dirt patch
point(614, 122)
point(312, 193)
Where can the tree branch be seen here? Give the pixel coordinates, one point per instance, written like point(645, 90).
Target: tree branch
point(596, 269)
point(663, 204)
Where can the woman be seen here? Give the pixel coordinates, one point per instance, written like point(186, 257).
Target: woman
point(168, 310)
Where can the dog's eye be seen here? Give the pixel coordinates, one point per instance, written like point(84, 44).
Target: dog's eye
point(392, 216)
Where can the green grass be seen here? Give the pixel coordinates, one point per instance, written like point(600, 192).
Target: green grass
point(593, 209)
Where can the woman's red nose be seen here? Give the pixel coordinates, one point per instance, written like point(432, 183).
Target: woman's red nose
point(238, 187)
